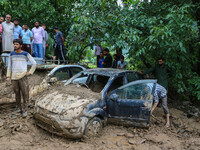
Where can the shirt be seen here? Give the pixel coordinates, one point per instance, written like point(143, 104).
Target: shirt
point(17, 32)
point(26, 36)
point(114, 64)
point(17, 65)
point(159, 92)
point(160, 74)
point(38, 35)
point(100, 62)
point(59, 36)
point(98, 50)
point(108, 61)
point(122, 64)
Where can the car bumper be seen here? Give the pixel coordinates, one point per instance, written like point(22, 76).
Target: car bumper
point(52, 126)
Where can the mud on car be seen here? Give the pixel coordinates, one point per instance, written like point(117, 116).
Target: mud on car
point(93, 97)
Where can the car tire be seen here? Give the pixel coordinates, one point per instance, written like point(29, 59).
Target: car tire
point(94, 127)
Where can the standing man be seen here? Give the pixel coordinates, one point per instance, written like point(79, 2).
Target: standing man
point(97, 53)
point(1, 30)
point(107, 63)
point(160, 70)
point(161, 93)
point(17, 29)
point(101, 59)
point(27, 37)
point(45, 45)
point(59, 50)
point(121, 64)
point(38, 36)
point(17, 73)
point(7, 36)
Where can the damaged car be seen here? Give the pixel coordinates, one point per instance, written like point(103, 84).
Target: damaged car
point(94, 97)
point(63, 73)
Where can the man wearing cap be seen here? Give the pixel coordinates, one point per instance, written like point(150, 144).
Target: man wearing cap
point(17, 29)
point(7, 36)
point(59, 52)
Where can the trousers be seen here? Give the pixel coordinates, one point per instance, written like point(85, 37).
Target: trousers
point(21, 86)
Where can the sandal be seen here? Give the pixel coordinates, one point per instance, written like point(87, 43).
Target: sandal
point(167, 125)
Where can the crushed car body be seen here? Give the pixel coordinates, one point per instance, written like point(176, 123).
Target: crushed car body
point(93, 97)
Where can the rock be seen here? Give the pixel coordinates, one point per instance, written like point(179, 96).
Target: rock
point(120, 134)
point(3, 133)
point(1, 122)
point(118, 144)
point(132, 142)
point(186, 103)
point(129, 135)
point(181, 131)
point(142, 141)
point(141, 134)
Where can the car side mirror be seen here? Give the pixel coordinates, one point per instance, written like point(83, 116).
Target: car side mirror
point(114, 97)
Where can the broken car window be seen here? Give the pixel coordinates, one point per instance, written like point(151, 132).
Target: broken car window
point(97, 82)
point(137, 92)
point(62, 74)
point(75, 70)
point(116, 83)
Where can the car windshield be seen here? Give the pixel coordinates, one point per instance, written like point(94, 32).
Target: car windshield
point(95, 82)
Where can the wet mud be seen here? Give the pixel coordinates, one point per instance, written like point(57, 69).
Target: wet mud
point(19, 133)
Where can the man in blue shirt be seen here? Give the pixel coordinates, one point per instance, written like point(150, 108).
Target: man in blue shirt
point(17, 29)
point(101, 59)
point(27, 37)
point(121, 64)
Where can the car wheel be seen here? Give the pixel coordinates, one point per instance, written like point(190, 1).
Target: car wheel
point(93, 127)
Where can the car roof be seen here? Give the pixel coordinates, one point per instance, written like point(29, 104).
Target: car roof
point(63, 66)
point(107, 71)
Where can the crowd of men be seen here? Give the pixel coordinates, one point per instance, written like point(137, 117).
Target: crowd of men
point(34, 41)
point(108, 62)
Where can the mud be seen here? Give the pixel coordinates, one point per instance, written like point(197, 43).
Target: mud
point(19, 133)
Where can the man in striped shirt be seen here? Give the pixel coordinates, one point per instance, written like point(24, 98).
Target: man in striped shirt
point(17, 73)
point(161, 93)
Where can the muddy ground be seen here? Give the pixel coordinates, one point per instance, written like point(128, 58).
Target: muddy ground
point(19, 133)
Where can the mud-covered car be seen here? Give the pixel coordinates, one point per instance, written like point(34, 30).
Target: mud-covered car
point(106, 95)
point(63, 72)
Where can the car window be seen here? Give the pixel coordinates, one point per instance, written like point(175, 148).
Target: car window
point(97, 82)
point(75, 70)
point(62, 74)
point(119, 81)
point(137, 92)
point(132, 76)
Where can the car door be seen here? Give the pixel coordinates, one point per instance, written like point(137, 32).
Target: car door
point(131, 104)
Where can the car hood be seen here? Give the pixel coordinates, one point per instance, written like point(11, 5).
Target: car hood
point(58, 101)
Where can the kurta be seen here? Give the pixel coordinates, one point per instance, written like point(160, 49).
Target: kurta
point(7, 36)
